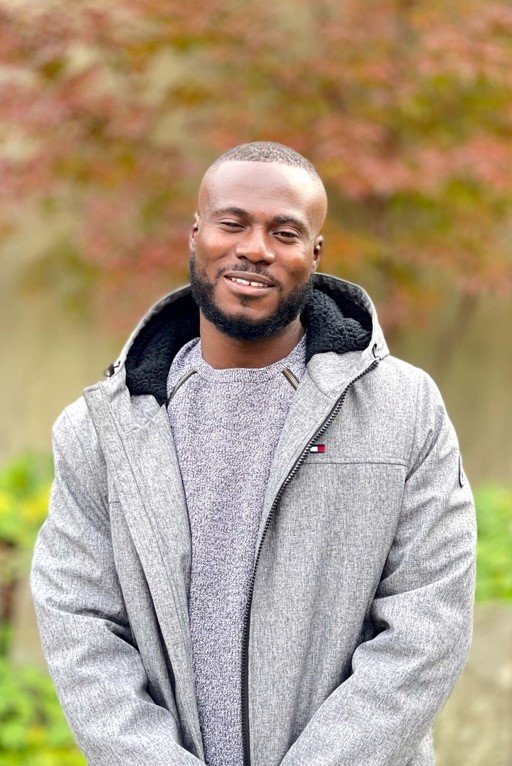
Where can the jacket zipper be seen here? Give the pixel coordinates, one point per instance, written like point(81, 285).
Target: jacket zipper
point(247, 615)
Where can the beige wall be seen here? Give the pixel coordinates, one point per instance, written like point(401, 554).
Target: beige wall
point(47, 359)
point(49, 356)
point(469, 354)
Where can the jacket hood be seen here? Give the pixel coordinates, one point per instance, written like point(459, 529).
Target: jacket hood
point(339, 317)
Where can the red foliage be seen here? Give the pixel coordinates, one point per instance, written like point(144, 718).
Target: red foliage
point(112, 111)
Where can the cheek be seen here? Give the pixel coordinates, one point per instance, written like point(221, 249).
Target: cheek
point(300, 267)
point(205, 249)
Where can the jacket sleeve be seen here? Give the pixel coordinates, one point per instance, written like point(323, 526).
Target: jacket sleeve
point(422, 611)
point(85, 632)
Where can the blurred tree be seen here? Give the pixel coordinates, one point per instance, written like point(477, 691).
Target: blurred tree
point(110, 111)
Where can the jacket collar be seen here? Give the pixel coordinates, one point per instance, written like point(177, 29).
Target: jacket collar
point(339, 318)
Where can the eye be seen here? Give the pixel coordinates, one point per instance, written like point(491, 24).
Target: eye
point(231, 225)
point(287, 234)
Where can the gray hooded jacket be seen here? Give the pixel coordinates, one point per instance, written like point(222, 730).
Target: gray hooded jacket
point(359, 620)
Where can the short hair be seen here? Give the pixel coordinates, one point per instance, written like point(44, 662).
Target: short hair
point(267, 151)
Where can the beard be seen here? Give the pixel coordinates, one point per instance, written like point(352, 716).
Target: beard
point(241, 327)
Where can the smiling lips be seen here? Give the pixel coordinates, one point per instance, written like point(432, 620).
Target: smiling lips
point(240, 281)
point(246, 279)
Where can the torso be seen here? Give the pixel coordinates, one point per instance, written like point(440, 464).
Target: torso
point(226, 425)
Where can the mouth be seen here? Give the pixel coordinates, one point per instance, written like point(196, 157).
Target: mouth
point(247, 281)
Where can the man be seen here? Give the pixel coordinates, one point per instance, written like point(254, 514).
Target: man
point(260, 544)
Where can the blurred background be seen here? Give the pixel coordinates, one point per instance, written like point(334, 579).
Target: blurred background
point(109, 115)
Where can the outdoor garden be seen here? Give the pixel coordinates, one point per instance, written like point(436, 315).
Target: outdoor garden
point(109, 113)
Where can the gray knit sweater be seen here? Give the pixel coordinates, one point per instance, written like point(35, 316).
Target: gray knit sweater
point(226, 425)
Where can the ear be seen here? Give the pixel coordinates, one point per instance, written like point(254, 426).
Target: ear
point(193, 232)
point(317, 250)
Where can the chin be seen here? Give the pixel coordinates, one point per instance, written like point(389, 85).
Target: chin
point(246, 317)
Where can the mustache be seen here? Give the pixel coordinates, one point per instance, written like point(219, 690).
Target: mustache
point(250, 268)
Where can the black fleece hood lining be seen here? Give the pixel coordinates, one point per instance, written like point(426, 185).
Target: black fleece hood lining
point(333, 321)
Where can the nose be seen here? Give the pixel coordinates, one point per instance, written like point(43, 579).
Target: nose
point(254, 246)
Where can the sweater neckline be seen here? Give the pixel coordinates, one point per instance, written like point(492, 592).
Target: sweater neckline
point(294, 361)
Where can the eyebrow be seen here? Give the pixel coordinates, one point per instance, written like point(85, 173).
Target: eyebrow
point(290, 219)
point(233, 210)
point(283, 219)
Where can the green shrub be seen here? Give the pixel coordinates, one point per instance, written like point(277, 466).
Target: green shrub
point(24, 491)
point(33, 730)
point(494, 551)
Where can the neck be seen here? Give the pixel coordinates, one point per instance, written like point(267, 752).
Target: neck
point(222, 352)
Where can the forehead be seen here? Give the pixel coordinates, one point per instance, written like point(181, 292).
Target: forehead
point(261, 187)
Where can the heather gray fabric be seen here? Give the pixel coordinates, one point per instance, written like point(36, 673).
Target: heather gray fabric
point(226, 425)
point(361, 614)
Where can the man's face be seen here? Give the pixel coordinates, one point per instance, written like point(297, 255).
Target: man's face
point(255, 245)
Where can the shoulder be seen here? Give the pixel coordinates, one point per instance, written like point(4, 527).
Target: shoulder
point(395, 380)
point(399, 382)
point(399, 372)
point(74, 423)
point(397, 409)
point(418, 405)
point(76, 447)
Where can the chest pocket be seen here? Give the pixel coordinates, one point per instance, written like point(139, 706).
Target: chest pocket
point(343, 507)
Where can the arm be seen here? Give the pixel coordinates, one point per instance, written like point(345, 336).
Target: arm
point(86, 636)
point(422, 608)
